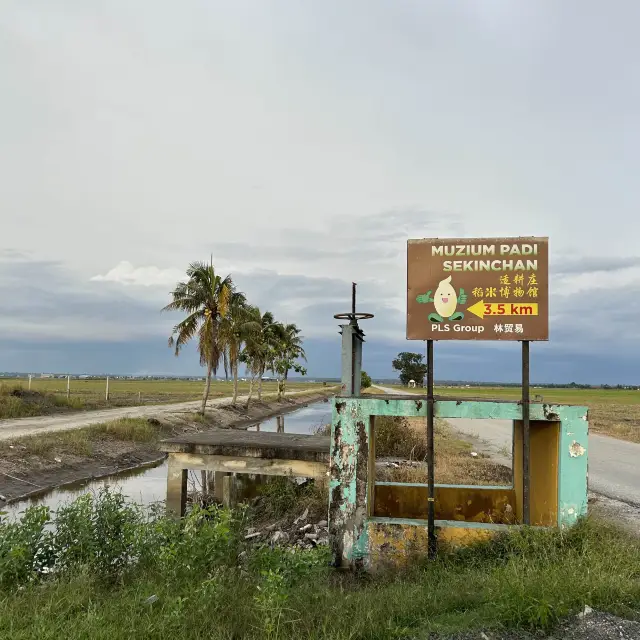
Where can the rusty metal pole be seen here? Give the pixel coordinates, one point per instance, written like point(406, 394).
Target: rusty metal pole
point(353, 340)
point(431, 528)
point(526, 436)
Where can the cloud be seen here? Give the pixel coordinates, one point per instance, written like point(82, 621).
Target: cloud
point(148, 276)
point(589, 265)
point(343, 247)
point(42, 300)
point(125, 162)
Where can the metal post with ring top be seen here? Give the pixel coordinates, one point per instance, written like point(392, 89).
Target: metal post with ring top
point(352, 339)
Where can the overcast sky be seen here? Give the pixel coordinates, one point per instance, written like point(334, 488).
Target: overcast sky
point(302, 143)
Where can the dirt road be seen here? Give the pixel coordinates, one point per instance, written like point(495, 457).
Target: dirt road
point(19, 427)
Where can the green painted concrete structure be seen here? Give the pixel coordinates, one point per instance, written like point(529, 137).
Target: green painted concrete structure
point(352, 468)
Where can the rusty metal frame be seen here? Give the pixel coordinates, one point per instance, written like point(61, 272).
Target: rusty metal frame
point(430, 454)
point(526, 437)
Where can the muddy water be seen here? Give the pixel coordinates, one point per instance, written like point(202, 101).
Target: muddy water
point(147, 486)
point(306, 420)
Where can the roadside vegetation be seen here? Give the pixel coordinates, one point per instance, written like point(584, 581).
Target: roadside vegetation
point(229, 331)
point(48, 396)
point(81, 442)
point(16, 402)
point(405, 439)
point(108, 570)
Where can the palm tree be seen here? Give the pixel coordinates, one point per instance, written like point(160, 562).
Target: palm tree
point(235, 329)
point(293, 345)
point(205, 297)
point(251, 355)
point(289, 349)
point(225, 363)
point(259, 348)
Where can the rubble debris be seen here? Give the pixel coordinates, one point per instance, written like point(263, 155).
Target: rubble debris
point(301, 518)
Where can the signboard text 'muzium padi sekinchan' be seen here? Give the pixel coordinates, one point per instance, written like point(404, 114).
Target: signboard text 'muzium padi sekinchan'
point(478, 289)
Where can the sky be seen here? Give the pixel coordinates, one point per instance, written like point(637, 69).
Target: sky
point(301, 144)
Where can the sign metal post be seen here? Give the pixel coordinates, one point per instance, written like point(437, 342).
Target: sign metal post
point(478, 289)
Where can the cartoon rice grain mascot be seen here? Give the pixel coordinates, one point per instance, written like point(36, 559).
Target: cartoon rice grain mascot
point(445, 300)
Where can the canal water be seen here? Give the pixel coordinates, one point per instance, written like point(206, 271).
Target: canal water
point(149, 485)
point(306, 420)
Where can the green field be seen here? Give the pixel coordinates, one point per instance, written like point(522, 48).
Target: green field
point(49, 395)
point(613, 412)
point(559, 396)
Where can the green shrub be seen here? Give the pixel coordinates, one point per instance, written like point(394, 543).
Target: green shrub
point(110, 536)
point(26, 548)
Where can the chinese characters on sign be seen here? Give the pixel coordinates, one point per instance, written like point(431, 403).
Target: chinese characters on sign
point(478, 289)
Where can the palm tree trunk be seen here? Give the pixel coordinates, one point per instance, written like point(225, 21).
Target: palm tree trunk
point(207, 388)
point(234, 367)
point(226, 365)
point(284, 381)
point(251, 380)
point(260, 385)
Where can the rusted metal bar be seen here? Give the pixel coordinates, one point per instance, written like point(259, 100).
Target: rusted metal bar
point(526, 436)
point(353, 339)
point(353, 298)
point(431, 528)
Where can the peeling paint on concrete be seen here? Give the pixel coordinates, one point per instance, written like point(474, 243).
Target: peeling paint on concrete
point(576, 450)
point(356, 543)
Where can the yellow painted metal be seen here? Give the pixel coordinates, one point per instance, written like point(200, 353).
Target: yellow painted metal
point(400, 545)
point(459, 503)
point(453, 537)
point(543, 465)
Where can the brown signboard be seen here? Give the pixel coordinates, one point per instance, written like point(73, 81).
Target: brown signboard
point(478, 289)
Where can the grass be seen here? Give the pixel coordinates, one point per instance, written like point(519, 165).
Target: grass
point(395, 437)
point(16, 402)
point(49, 395)
point(560, 396)
point(80, 442)
point(107, 572)
point(406, 438)
point(612, 412)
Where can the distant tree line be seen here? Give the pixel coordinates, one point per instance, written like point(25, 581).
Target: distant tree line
point(230, 330)
point(411, 366)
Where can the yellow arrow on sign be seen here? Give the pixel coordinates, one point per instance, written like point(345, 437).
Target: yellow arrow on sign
point(482, 309)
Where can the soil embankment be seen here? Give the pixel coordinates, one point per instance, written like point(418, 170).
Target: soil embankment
point(36, 464)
